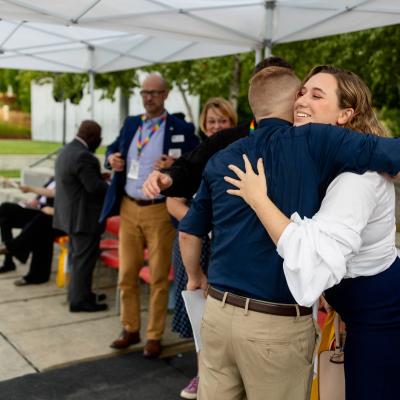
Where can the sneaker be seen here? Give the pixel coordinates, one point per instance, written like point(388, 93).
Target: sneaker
point(21, 282)
point(190, 391)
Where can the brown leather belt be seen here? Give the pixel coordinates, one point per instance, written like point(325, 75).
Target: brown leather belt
point(141, 202)
point(286, 310)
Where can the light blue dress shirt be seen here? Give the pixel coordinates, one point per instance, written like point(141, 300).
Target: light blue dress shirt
point(149, 155)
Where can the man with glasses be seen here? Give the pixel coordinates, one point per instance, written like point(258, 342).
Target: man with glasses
point(146, 142)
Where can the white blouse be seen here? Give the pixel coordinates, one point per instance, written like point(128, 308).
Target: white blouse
point(353, 234)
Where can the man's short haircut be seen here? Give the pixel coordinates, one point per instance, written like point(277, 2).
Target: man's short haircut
point(89, 128)
point(272, 90)
point(271, 62)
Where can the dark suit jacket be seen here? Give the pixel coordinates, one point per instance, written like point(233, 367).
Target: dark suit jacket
point(187, 170)
point(174, 127)
point(80, 190)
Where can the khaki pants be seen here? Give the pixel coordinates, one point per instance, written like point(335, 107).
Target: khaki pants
point(140, 226)
point(254, 355)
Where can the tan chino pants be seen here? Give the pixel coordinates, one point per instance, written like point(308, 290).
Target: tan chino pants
point(254, 355)
point(144, 225)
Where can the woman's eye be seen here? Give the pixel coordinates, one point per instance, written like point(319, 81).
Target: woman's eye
point(317, 97)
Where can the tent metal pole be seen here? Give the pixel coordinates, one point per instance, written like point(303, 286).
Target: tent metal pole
point(268, 50)
point(258, 55)
point(91, 80)
point(91, 91)
point(269, 7)
point(64, 122)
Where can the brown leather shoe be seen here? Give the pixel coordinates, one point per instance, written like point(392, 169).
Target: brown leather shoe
point(152, 349)
point(125, 340)
point(3, 249)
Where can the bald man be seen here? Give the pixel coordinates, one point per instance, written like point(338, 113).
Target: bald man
point(77, 205)
point(146, 142)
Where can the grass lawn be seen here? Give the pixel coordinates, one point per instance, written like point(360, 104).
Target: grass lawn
point(10, 173)
point(27, 147)
point(8, 130)
point(32, 147)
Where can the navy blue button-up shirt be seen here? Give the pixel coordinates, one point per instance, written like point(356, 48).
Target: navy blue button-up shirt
point(300, 163)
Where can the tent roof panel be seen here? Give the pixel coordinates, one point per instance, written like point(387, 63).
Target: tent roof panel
point(174, 29)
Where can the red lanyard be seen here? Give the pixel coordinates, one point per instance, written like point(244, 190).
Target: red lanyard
point(141, 143)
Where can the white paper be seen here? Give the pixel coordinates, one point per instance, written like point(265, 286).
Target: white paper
point(175, 153)
point(134, 170)
point(177, 138)
point(195, 303)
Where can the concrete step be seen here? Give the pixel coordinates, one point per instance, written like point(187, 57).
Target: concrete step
point(20, 161)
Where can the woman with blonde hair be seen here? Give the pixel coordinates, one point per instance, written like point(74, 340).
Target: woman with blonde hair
point(217, 114)
point(347, 250)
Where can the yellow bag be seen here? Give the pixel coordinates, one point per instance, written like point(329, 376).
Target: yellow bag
point(327, 338)
point(62, 261)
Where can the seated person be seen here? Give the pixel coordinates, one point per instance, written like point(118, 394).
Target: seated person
point(35, 219)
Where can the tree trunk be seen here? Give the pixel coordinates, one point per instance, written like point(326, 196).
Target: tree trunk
point(185, 100)
point(234, 87)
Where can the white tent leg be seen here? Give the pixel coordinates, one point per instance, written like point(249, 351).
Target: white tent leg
point(269, 8)
point(268, 50)
point(91, 91)
point(258, 55)
point(64, 121)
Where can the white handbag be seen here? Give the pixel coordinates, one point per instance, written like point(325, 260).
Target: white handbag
point(331, 382)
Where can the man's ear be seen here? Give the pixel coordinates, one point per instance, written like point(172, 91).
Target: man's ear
point(345, 116)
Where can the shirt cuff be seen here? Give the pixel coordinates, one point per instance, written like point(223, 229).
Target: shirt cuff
point(283, 240)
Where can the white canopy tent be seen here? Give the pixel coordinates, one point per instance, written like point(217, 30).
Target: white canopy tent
point(234, 24)
point(63, 48)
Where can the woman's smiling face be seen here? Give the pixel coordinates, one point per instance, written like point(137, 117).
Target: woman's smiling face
point(216, 121)
point(317, 101)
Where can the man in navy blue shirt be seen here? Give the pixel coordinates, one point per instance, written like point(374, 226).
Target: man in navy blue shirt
point(256, 341)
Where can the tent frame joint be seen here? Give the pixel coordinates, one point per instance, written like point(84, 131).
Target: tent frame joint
point(270, 4)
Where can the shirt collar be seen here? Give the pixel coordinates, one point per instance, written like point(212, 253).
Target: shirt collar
point(79, 139)
point(154, 120)
point(267, 122)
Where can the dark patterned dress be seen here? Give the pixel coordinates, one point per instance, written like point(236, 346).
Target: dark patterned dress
point(180, 322)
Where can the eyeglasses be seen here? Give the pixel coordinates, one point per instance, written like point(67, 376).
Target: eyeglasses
point(151, 93)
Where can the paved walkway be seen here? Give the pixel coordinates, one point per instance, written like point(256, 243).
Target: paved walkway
point(122, 377)
point(37, 332)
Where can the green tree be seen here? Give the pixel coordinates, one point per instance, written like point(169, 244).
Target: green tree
point(20, 84)
point(65, 86)
point(211, 77)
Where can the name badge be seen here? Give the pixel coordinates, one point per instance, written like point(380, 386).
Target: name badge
point(177, 138)
point(134, 170)
point(175, 153)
